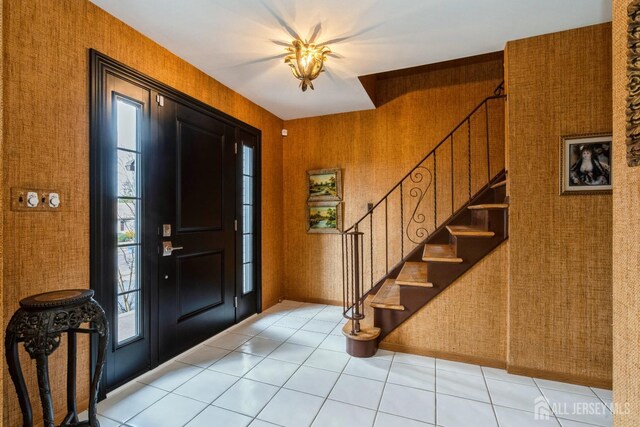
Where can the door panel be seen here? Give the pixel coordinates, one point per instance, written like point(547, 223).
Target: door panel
point(201, 178)
point(197, 286)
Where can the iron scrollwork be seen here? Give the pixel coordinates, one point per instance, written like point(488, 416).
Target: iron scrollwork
point(633, 84)
point(417, 177)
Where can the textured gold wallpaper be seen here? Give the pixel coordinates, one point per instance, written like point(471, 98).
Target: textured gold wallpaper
point(626, 238)
point(375, 149)
point(560, 274)
point(46, 53)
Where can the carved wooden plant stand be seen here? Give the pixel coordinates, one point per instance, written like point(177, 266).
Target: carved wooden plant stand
point(39, 324)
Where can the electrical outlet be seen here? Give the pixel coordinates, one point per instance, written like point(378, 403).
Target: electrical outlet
point(54, 200)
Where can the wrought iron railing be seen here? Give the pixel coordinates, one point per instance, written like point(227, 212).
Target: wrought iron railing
point(437, 188)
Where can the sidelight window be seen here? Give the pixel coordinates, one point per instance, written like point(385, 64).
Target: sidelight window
point(128, 200)
point(248, 209)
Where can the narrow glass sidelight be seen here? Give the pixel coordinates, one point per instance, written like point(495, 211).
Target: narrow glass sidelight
point(248, 229)
point(127, 227)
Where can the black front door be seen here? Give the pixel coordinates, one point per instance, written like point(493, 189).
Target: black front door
point(175, 219)
point(196, 206)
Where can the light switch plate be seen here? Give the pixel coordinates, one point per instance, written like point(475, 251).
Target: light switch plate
point(20, 199)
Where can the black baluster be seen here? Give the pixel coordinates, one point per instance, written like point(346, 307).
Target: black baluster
point(386, 234)
point(469, 153)
point(486, 114)
point(435, 191)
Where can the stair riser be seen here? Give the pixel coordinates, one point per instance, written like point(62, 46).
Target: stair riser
point(500, 194)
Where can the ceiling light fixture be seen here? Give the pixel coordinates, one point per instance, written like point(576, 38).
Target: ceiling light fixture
point(306, 61)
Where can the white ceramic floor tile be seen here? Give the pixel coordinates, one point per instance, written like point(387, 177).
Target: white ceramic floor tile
point(357, 391)
point(260, 423)
point(509, 417)
point(206, 386)
point(105, 422)
point(566, 387)
point(605, 395)
point(570, 423)
point(338, 330)
point(321, 326)
point(502, 375)
point(170, 376)
point(259, 346)
point(413, 376)
point(277, 333)
point(246, 397)
point(249, 329)
point(388, 420)
point(279, 409)
point(203, 356)
point(461, 385)
point(409, 402)
point(308, 338)
point(236, 363)
point(213, 415)
point(306, 313)
point(293, 353)
point(412, 359)
point(271, 371)
point(291, 322)
point(329, 316)
point(327, 359)
point(227, 341)
point(512, 395)
point(129, 401)
point(578, 407)
point(338, 414)
point(312, 380)
point(374, 369)
point(384, 355)
point(171, 411)
point(335, 343)
point(456, 412)
point(464, 368)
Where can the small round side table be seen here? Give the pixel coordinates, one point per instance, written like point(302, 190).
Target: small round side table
point(39, 324)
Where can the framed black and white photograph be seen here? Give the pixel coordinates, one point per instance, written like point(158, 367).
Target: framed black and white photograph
point(585, 166)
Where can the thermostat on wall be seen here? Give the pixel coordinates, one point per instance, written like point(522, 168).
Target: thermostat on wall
point(284, 132)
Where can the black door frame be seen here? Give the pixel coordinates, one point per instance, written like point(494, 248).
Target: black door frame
point(100, 66)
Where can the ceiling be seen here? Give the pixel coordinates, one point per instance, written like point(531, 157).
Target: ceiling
point(241, 42)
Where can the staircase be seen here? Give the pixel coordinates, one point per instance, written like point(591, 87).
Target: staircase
point(429, 252)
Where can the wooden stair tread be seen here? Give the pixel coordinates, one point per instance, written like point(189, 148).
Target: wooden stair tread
point(490, 206)
point(388, 296)
point(414, 274)
point(440, 253)
point(469, 231)
point(367, 332)
point(499, 184)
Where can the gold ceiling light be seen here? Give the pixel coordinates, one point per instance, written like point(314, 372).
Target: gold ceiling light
point(306, 61)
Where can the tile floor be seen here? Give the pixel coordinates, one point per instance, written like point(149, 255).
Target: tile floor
point(287, 367)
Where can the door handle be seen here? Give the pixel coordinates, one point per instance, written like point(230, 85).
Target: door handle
point(168, 248)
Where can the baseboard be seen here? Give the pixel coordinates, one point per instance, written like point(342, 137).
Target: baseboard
point(465, 358)
point(562, 377)
point(316, 301)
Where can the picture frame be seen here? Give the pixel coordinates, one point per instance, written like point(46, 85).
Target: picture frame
point(324, 185)
point(585, 164)
point(321, 219)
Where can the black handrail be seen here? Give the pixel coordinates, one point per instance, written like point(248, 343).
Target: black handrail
point(352, 237)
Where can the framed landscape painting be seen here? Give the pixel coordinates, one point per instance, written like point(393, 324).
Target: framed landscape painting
point(324, 217)
point(585, 164)
point(324, 184)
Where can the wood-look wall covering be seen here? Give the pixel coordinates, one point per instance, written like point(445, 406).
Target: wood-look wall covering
point(560, 274)
point(46, 74)
point(375, 149)
point(626, 238)
point(2, 362)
